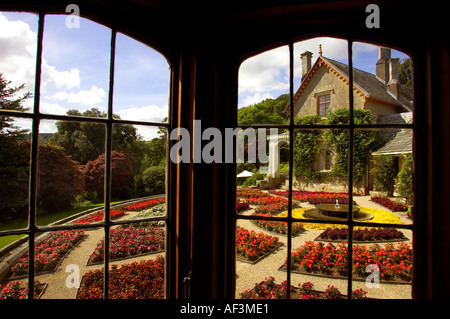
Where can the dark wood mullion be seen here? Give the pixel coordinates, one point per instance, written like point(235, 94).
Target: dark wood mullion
point(32, 228)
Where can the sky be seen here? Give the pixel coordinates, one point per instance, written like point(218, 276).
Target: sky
point(75, 69)
point(76, 62)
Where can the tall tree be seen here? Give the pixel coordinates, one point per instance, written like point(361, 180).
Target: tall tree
point(14, 160)
point(85, 141)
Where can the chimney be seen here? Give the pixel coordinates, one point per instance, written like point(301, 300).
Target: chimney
point(382, 66)
point(393, 84)
point(306, 63)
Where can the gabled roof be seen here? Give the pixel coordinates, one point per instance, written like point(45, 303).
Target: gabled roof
point(365, 83)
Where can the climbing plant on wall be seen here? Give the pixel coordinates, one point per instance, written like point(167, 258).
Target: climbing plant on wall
point(364, 141)
point(307, 146)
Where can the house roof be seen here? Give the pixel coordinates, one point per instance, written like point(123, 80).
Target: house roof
point(364, 82)
point(398, 141)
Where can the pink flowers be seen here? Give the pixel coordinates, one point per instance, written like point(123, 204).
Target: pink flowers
point(49, 252)
point(125, 242)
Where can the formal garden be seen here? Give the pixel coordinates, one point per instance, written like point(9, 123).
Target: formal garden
point(137, 252)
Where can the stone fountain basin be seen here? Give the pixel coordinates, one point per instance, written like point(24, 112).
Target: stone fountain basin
point(333, 211)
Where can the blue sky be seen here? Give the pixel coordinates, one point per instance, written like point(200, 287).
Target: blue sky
point(75, 68)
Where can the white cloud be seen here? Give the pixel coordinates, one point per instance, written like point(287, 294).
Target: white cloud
point(87, 97)
point(265, 72)
point(52, 108)
point(149, 113)
point(18, 59)
point(257, 97)
point(68, 79)
point(18, 53)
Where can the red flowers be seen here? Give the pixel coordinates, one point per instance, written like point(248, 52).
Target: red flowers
point(136, 280)
point(395, 263)
point(113, 213)
point(251, 245)
point(314, 197)
point(386, 202)
point(240, 206)
point(144, 205)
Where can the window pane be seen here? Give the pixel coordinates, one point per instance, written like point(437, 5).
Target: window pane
point(382, 263)
point(71, 165)
point(383, 172)
point(141, 82)
point(259, 254)
point(264, 88)
point(319, 262)
point(14, 262)
point(137, 262)
point(18, 40)
point(14, 172)
point(321, 79)
point(75, 68)
point(138, 179)
point(382, 79)
point(320, 172)
point(263, 185)
point(91, 266)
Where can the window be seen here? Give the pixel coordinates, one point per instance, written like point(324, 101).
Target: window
point(306, 228)
point(324, 160)
point(323, 103)
point(83, 161)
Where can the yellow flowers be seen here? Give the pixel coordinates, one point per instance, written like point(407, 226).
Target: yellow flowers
point(379, 216)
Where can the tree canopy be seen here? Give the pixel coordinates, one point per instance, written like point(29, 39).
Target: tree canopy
point(269, 111)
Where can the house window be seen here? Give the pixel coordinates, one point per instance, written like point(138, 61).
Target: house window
point(323, 105)
point(324, 160)
point(89, 169)
point(285, 224)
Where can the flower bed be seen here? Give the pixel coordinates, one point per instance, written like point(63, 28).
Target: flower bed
point(386, 202)
point(113, 213)
point(362, 235)
point(252, 246)
point(240, 206)
point(278, 227)
point(395, 263)
point(136, 280)
point(248, 192)
point(49, 253)
point(308, 196)
point(19, 290)
point(156, 211)
point(269, 289)
point(127, 242)
point(144, 205)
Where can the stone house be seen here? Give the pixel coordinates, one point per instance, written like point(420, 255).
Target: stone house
point(324, 89)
